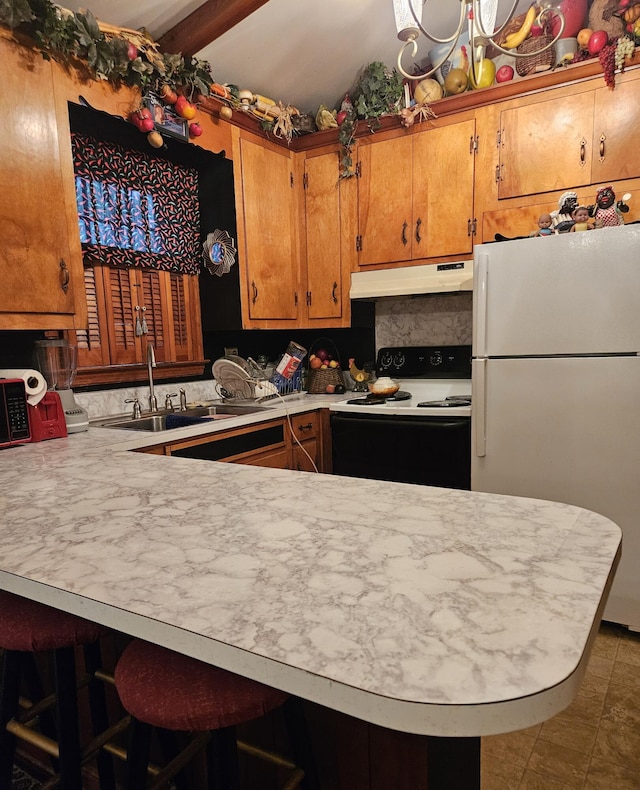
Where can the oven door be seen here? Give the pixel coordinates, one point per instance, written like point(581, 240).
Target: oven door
point(433, 451)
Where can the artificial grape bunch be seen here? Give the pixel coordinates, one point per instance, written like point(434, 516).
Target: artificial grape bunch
point(624, 49)
point(607, 57)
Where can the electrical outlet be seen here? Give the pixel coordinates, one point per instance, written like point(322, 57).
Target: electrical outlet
point(231, 351)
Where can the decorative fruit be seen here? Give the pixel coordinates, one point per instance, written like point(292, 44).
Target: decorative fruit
point(504, 74)
point(322, 354)
point(583, 37)
point(334, 363)
point(169, 96)
point(339, 389)
point(330, 388)
point(315, 363)
point(597, 41)
point(180, 103)
point(195, 130)
point(146, 125)
point(226, 112)
point(155, 139)
point(456, 82)
point(188, 111)
point(427, 91)
point(485, 73)
point(142, 120)
point(132, 51)
point(341, 117)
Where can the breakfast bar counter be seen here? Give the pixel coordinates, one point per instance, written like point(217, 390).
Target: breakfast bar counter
point(424, 610)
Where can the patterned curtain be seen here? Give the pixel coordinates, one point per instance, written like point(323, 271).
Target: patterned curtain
point(135, 210)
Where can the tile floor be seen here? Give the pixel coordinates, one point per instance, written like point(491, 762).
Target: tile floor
point(594, 744)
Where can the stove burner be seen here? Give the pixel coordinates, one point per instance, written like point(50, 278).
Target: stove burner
point(377, 400)
point(451, 402)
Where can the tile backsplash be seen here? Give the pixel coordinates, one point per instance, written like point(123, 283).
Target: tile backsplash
point(430, 320)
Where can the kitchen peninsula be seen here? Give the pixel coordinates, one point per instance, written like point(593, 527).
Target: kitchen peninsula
point(424, 610)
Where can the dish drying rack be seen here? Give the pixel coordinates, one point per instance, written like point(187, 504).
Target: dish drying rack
point(250, 383)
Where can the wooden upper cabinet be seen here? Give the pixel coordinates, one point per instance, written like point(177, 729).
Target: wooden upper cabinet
point(572, 141)
point(415, 195)
point(270, 220)
point(323, 236)
point(443, 178)
point(616, 120)
point(385, 208)
point(37, 274)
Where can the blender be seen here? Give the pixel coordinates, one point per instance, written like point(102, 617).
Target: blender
point(57, 361)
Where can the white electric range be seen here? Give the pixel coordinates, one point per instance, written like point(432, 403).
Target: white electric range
point(422, 434)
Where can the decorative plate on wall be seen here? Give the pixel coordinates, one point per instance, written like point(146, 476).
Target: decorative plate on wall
point(219, 252)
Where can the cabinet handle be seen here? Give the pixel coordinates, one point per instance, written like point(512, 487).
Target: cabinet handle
point(333, 293)
point(583, 151)
point(64, 276)
point(602, 148)
point(418, 236)
point(306, 427)
point(254, 288)
point(404, 232)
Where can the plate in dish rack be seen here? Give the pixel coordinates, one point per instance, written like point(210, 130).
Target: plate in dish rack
point(234, 379)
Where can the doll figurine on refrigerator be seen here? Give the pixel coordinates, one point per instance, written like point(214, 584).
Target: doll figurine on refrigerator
point(582, 220)
point(545, 223)
point(606, 212)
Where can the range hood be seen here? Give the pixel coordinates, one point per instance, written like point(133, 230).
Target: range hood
point(409, 280)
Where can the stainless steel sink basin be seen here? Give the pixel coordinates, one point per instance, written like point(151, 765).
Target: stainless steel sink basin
point(178, 419)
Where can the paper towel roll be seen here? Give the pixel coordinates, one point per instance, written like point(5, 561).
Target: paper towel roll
point(34, 382)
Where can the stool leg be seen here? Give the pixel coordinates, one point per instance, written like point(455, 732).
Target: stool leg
point(170, 750)
point(67, 715)
point(99, 715)
point(296, 723)
point(222, 760)
point(9, 695)
point(138, 755)
point(33, 682)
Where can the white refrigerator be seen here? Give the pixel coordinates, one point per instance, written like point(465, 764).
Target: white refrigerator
point(556, 381)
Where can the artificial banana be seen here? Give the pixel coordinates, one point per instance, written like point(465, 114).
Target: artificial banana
point(514, 40)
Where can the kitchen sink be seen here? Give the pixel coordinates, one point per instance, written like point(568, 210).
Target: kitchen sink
point(178, 419)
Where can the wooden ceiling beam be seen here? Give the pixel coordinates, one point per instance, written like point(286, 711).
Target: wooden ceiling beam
point(205, 24)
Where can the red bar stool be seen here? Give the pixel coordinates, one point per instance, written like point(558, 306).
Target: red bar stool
point(168, 691)
point(28, 628)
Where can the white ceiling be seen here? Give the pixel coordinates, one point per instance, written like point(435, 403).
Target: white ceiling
point(300, 52)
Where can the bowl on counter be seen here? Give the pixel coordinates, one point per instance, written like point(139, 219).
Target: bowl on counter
point(383, 386)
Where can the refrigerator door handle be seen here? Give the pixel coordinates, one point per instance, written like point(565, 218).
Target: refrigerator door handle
point(480, 277)
point(479, 414)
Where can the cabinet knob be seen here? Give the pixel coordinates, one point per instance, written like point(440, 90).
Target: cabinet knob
point(64, 276)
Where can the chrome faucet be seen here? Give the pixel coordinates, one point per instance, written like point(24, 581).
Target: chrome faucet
point(151, 363)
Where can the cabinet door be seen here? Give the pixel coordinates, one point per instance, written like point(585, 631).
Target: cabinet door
point(270, 232)
point(305, 456)
point(615, 133)
point(34, 254)
point(385, 215)
point(546, 146)
point(323, 229)
point(443, 172)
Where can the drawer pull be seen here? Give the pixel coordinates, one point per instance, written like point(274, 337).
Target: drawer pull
point(583, 151)
point(333, 293)
point(602, 147)
point(404, 233)
point(418, 236)
point(307, 427)
point(254, 288)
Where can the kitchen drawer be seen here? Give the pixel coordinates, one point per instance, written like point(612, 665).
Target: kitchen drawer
point(306, 426)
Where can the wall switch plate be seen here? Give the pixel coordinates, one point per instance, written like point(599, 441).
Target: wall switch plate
point(231, 351)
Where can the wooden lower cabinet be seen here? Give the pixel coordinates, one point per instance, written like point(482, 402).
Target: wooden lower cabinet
point(269, 444)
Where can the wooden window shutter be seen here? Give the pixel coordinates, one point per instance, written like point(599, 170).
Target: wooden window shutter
point(92, 341)
point(180, 316)
point(121, 297)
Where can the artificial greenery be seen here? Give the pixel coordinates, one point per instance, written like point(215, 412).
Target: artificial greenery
point(377, 93)
point(64, 36)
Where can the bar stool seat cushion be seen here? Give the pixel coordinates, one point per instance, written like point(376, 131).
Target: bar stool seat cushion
point(30, 626)
point(166, 689)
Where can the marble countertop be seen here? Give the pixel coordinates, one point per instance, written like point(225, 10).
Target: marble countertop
point(420, 609)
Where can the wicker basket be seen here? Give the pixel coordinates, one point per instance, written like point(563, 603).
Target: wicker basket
point(541, 61)
point(317, 380)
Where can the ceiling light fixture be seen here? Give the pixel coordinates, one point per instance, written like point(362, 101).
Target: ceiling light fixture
point(478, 18)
